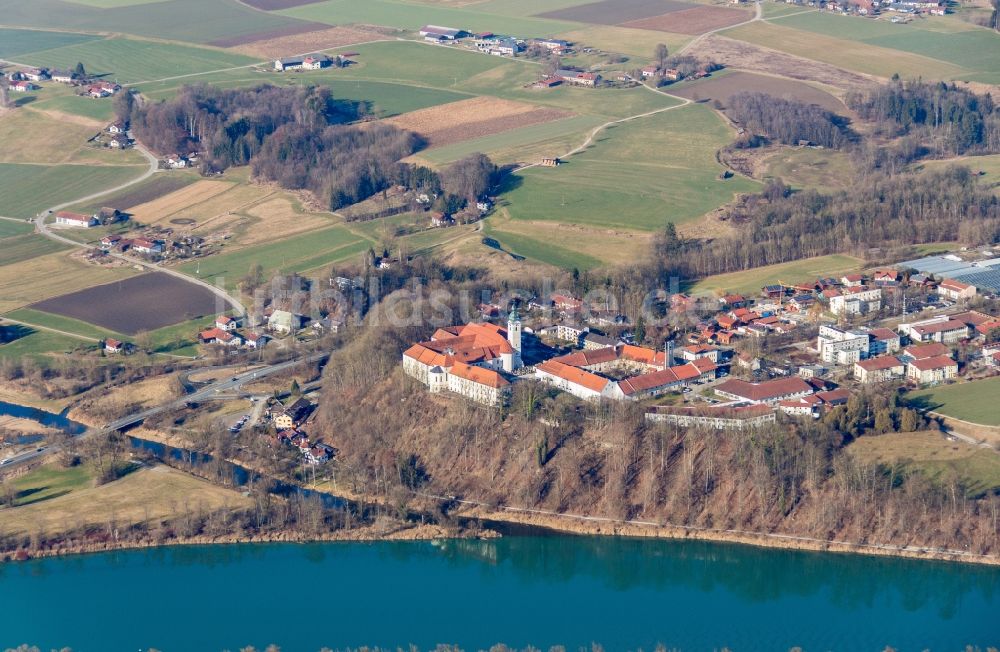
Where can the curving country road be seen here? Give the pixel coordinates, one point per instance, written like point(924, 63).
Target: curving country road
point(44, 229)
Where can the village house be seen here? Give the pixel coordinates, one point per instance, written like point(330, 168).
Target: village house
point(578, 78)
point(114, 346)
point(744, 417)
point(956, 290)
point(147, 246)
point(63, 76)
point(553, 44)
point(503, 46)
point(282, 321)
point(255, 340)
point(878, 370)
point(176, 162)
point(23, 86)
point(293, 414)
point(932, 370)
point(76, 220)
point(768, 392)
point(218, 336)
point(118, 127)
point(35, 74)
point(306, 62)
point(110, 241)
point(225, 323)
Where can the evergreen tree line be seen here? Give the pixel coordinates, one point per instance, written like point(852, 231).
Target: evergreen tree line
point(787, 121)
point(949, 120)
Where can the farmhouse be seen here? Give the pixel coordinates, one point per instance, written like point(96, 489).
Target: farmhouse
point(110, 241)
point(112, 345)
point(225, 323)
point(878, 370)
point(503, 46)
point(768, 392)
point(23, 86)
point(553, 44)
point(932, 370)
point(77, 220)
point(578, 78)
point(255, 340)
point(218, 336)
point(63, 76)
point(146, 246)
point(35, 74)
point(438, 33)
point(306, 62)
point(176, 162)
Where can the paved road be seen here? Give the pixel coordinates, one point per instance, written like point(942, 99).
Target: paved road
point(232, 384)
point(44, 229)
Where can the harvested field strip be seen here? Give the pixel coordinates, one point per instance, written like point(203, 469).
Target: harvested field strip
point(46, 276)
point(141, 303)
point(524, 144)
point(163, 207)
point(474, 118)
point(61, 323)
point(277, 5)
point(268, 35)
point(637, 43)
point(615, 12)
point(852, 55)
point(25, 247)
point(156, 186)
point(723, 86)
point(751, 281)
point(696, 20)
point(301, 41)
point(28, 189)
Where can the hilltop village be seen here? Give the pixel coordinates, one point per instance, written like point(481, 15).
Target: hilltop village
point(797, 349)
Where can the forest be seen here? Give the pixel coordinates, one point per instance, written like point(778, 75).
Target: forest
point(948, 120)
point(293, 136)
point(787, 121)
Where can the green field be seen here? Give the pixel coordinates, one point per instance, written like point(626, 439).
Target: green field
point(88, 107)
point(24, 247)
point(130, 60)
point(28, 189)
point(975, 401)
point(49, 482)
point(637, 175)
point(410, 16)
point(11, 228)
point(751, 281)
point(511, 146)
point(38, 344)
point(298, 254)
point(196, 21)
point(810, 167)
point(17, 42)
point(545, 252)
point(975, 49)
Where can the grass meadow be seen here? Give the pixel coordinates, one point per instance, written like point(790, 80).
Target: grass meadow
point(29, 189)
point(751, 281)
point(975, 401)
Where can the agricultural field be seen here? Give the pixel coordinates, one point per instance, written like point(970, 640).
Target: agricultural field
point(31, 136)
point(636, 43)
point(929, 453)
point(128, 60)
point(974, 49)
point(141, 303)
point(12, 228)
point(751, 281)
point(694, 20)
point(47, 275)
point(17, 42)
point(28, 189)
point(635, 176)
point(456, 122)
point(722, 86)
point(145, 191)
point(33, 317)
point(411, 16)
point(196, 21)
point(144, 495)
point(297, 40)
point(18, 248)
point(974, 402)
point(844, 53)
point(567, 246)
point(39, 345)
point(302, 253)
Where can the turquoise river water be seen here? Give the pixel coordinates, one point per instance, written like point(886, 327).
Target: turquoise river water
point(624, 594)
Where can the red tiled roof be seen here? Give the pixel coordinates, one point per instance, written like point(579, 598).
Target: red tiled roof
point(766, 390)
point(952, 284)
point(574, 375)
point(588, 358)
point(931, 349)
point(940, 327)
point(646, 382)
point(884, 334)
point(479, 375)
point(936, 362)
point(879, 363)
point(834, 396)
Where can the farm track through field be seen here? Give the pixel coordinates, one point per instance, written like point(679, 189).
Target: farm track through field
point(44, 230)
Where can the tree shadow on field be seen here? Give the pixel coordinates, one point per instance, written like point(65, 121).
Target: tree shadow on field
point(24, 101)
point(12, 332)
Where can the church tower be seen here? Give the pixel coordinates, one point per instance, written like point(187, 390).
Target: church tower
point(514, 336)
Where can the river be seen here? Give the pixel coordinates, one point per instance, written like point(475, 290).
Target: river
point(621, 593)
